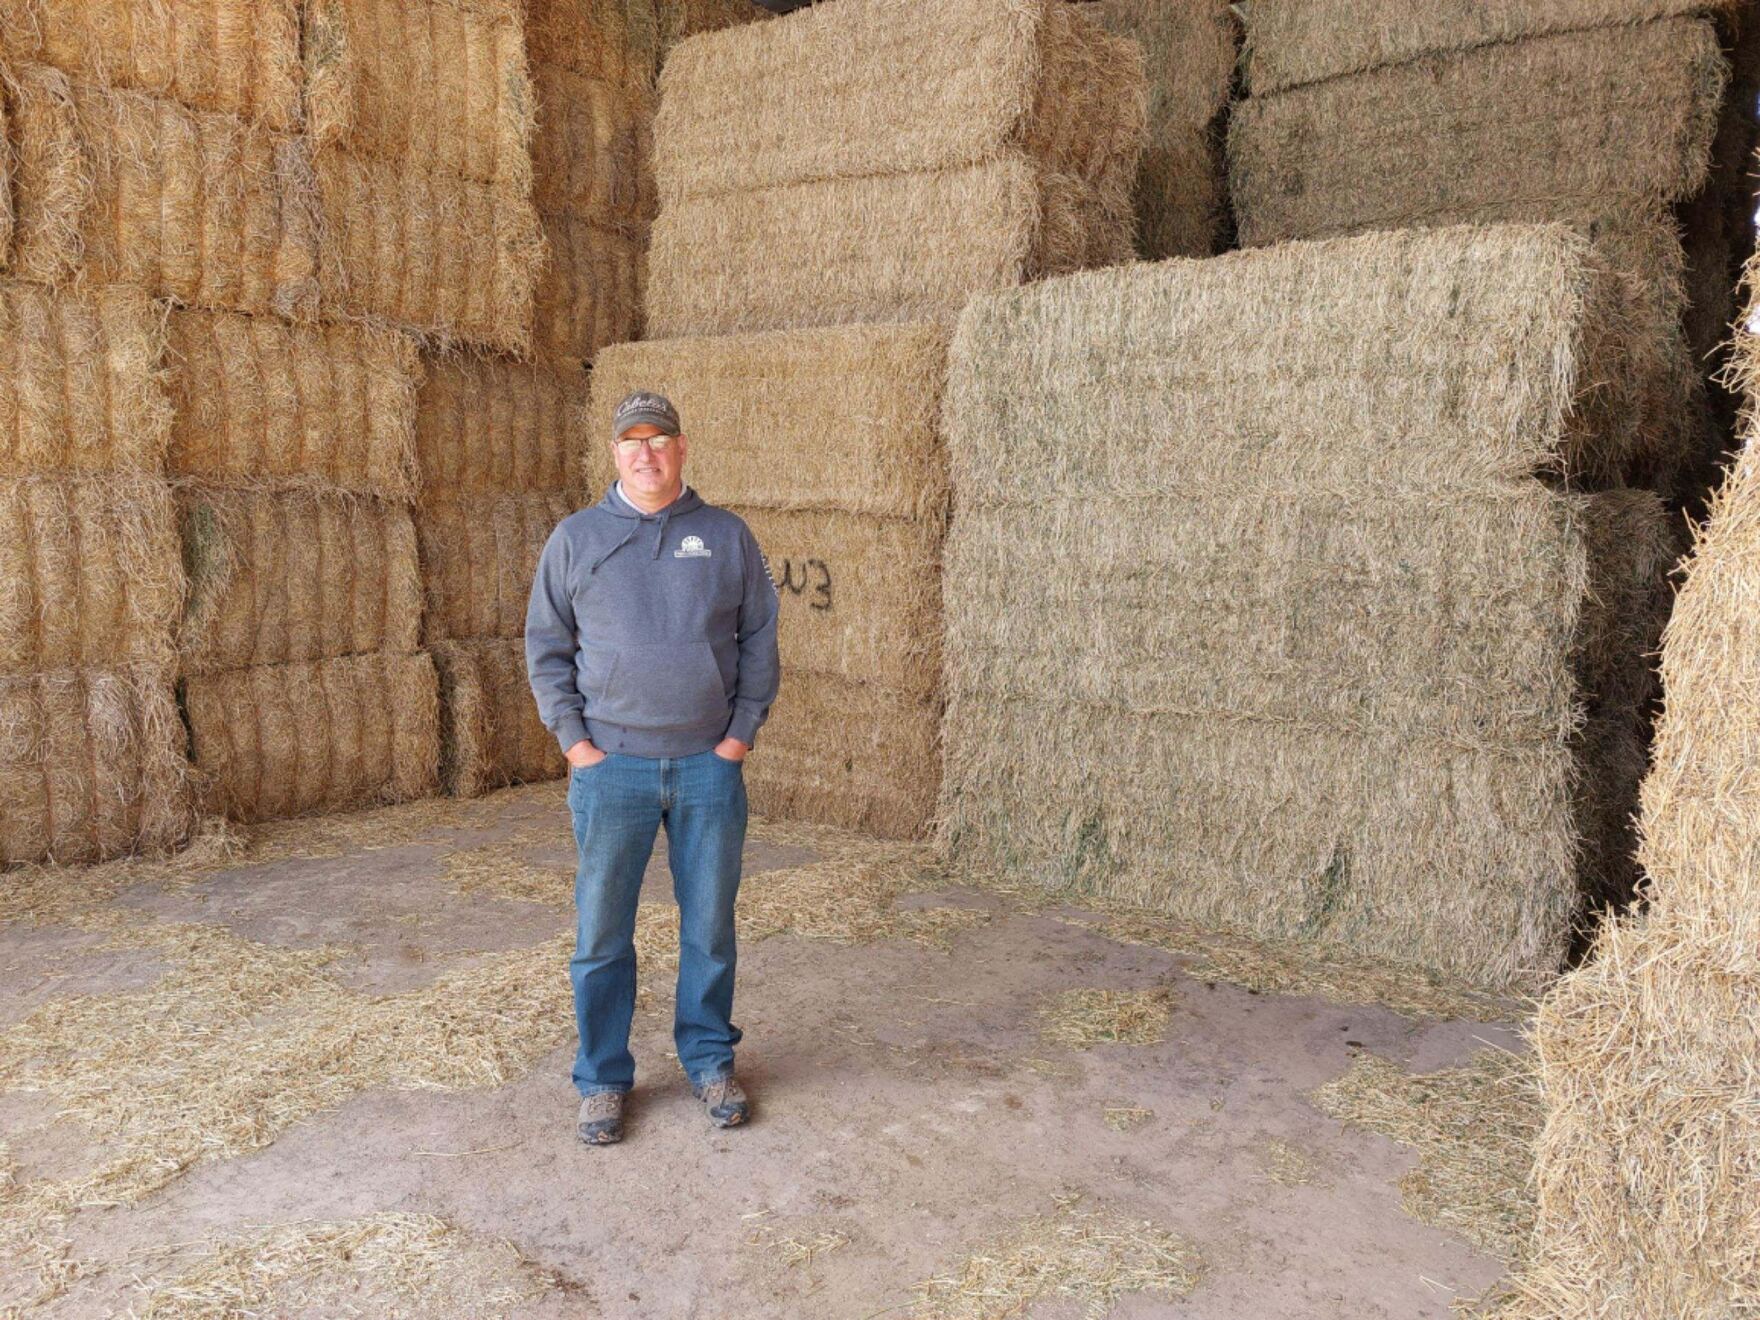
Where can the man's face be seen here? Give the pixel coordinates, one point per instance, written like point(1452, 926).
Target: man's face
point(643, 468)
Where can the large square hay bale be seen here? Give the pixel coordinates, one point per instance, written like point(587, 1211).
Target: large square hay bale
point(592, 151)
point(612, 41)
point(262, 403)
point(1189, 50)
point(450, 258)
point(306, 739)
point(80, 383)
point(1327, 683)
point(1304, 41)
point(241, 57)
point(488, 424)
point(280, 576)
point(490, 733)
point(91, 765)
point(434, 85)
point(589, 290)
point(89, 572)
point(479, 555)
point(131, 188)
point(1008, 153)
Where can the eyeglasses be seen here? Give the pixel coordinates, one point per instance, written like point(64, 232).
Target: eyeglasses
point(658, 443)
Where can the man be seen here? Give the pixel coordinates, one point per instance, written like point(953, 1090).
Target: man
point(651, 650)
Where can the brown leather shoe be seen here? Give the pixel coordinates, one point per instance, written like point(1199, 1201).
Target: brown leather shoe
point(726, 1101)
point(601, 1118)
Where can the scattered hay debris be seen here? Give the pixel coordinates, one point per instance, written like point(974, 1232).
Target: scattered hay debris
point(1474, 1128)
point(1125, 1118)
point(389, 1265)
point(1092, 1257)
point(1289, 1165)
point(800, 1247)
point(1082, 1019)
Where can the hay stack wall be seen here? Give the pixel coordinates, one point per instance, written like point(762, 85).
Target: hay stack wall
point(802, 181)
point(1370, 116)
point(1648, 1161)
point(1257, 611)
point(827, 442)
point(91, 748)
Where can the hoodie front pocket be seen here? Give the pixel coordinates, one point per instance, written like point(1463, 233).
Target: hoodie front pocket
point(675, 686)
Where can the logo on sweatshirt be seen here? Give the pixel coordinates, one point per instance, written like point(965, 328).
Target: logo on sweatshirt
point(692, 547)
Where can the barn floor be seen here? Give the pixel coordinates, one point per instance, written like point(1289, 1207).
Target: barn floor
point(330, 1076)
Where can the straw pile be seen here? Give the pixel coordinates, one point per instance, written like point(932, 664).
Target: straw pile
point(1651, 1148)
point(126, 187)
point(1189, 50)
point(1370, 116)
point(1324, 668)
point(828, 443)
point(891, 203)
point(91, 750)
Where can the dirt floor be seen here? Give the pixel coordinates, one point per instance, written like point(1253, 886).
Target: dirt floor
point(329, 1075)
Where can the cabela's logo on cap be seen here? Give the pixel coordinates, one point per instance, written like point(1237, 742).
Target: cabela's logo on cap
point(692, 547)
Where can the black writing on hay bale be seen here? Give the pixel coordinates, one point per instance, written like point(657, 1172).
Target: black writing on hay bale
point(1332, 662)
point(286, 740)
point(490, 734)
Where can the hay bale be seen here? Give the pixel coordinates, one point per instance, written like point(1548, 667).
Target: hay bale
point(845, 418)
point(451, 259)
point(589, 292)
point(436, 86)
point(490, 733)
point(489, 424)
point(51, 186)
point(1583, 120)
point(1189, 51)
point(80, 384)
point(610, 41)
point(591, 151)
point(281, 576)
point(91, 765)
point(89, 572)
point(1336, 673)
point(6, 218)
point(241, 57)
point(289, 740)
point(261, 403)
point(848, 754)
point(479, 556)
point(1020, 164)
point(1291, 44)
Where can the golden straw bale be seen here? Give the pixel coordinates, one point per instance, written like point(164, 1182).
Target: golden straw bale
point(51, 181)
point(843, 418)
point(479, 556)
point(80, 381)
point(91, 765)
point(611, 41)
point(433, 85)
point(490, 424)
point(589, 293)
point(89, 572)
point(854, 755)
point(280, 576)
point(1304, 41)
point(449, 258)
point(262, 403)
point(237, 56)
point(5, 180)
point(490, 733)
point(591, 151)
point(287, 740)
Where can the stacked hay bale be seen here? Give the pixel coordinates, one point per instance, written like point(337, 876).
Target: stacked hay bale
point(821, 219)
point(91, 748)
point(1189, 53)
point(1259, 613)
point(304, 688)
point(1366, 114)
point(1650, 1155)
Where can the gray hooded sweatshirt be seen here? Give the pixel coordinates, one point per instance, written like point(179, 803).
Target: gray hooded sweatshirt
point(652, 634)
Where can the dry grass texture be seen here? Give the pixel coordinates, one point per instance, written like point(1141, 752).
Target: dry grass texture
point(261, 403)
point(592, 151)
point(1082, 1019)
point(486, 424)
point(490, 734)
point(241, 57)
point(897, 205)
point(590, 291)
point(1332, 692)
point(479, 556)
point(80, 389)
point(281, 576)
point(302, 739)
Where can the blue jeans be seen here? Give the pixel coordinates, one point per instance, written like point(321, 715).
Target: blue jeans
point(618, 807)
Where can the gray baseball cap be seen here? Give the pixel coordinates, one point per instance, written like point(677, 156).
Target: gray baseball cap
point(645, 408)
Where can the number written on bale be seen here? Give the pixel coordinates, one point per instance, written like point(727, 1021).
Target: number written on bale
point(808, 577)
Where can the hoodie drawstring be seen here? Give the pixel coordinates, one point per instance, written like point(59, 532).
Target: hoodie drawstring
point(660, 540)
point(614, 549)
